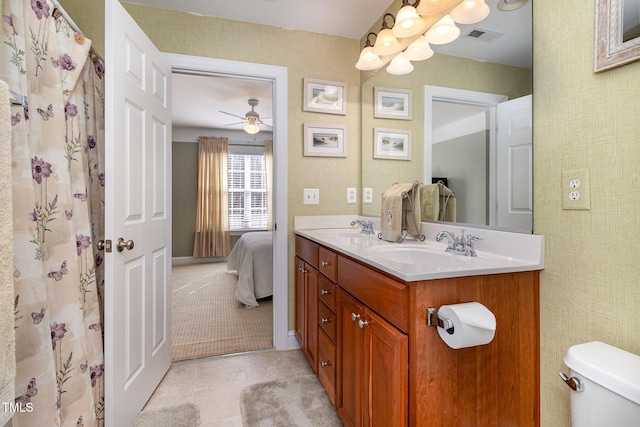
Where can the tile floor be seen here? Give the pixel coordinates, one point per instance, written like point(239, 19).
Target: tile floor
point(215, 384)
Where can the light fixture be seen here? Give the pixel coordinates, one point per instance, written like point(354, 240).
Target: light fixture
point(431, 7)
point(400, 65)
point(368, 60)
point(470, 12)
point(444, 31)
point(252, 126)
point(386, 42)
point(418, 50)
point(408, 22)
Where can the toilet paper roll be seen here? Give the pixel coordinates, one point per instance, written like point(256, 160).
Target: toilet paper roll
point(473, 323)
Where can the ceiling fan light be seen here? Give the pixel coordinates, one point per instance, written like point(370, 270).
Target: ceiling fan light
point(400, 65)
point(368, 60)
point(251, 128)
point(419, 50)
point(470, 12)
point(386, 43)
point(408, 23)
point(444, 31)
point(431, 7)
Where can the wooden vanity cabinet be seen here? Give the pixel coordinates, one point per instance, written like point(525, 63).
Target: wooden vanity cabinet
point(380, 363)
point(373, 367)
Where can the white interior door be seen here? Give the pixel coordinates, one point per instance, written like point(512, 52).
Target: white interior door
point(137, 209)
point(515, 164)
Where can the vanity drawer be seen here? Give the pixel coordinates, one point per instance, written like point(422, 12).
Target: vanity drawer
point(327, 365)
point(307, 250)
point(327, 321)
point(327, 263)
point(327, 292)
point(387, 297)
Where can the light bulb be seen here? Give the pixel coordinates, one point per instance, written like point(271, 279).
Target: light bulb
point(386, 43)
point(251, 128)
point(368, 60)
point(444, 31)
point(400, 65)
point(418, 50)
point(470, 12)
point(408, 23)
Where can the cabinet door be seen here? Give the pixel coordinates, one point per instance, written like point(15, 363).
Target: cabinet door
point(311, 316)
point(386, 373)
point(299, 301)
point(350, 361)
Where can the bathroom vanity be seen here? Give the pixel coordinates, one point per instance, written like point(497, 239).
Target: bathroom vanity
point(361, 320)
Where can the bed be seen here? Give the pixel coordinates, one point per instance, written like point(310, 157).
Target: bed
point(252, 259)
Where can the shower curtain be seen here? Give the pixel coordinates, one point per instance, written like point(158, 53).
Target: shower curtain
point(58, 210)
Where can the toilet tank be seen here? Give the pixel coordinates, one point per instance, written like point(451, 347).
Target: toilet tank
point(611, 385)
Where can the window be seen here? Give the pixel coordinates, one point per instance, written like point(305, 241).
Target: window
point(247, 191)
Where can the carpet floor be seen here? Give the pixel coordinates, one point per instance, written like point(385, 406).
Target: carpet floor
point(294, 402)
point(206, 318)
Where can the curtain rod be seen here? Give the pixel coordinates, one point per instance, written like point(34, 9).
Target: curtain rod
point(72, 24)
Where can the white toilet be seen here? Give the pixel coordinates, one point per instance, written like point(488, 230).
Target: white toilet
point(609, 380)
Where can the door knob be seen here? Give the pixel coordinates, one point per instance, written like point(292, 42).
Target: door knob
point(104, 245)
point(121, 245)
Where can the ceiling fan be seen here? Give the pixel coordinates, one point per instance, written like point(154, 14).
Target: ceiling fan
point(252, 119)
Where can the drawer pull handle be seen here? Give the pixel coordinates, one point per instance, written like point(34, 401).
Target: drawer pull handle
point(362, 323)
point(354, 316)
point(323, 263)
point(324, 364)
point(323, 320)
point(323, 292)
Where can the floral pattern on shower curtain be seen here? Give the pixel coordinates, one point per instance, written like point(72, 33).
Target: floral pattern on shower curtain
point(58, 211)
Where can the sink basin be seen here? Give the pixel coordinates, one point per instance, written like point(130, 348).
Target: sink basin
point(427, 257)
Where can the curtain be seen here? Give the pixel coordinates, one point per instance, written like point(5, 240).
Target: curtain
point(57, 182)
point(212, 212)
point(268, 160)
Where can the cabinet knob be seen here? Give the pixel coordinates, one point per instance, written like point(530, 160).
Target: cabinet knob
point(323, 320)
point(323, 292)
point(362, 323)
point(323, 263)
point(302, 270)
point(354, 316)
point(324, 364)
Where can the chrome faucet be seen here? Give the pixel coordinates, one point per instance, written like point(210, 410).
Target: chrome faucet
point(461, 245)
point(367, 226)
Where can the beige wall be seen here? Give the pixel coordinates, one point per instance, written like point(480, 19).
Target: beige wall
point(590, 288)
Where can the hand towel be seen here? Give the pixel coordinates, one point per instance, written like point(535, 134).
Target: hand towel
point(447, 204)
point(391, 212)
point(429, 202)
point(7, 337)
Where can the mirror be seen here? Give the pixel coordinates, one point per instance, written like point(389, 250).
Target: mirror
point(485, 66)
point(617, 33)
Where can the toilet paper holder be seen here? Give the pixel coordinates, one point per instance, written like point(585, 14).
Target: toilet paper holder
point(434, 320)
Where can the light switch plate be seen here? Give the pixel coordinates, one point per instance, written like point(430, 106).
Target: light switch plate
point(311, 196)
point(575, 190)
point(352, 195)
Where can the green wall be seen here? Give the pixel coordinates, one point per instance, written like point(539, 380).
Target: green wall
point(185, 197)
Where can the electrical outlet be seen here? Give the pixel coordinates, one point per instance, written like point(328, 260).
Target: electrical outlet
point(311, 196)
point(367, 195)
point(352, 195)
point(575, 190)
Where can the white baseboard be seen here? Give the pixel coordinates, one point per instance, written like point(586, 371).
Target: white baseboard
point(292, 341)
point(185, 260)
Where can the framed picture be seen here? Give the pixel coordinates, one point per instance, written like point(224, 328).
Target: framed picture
point(617, 40)
point(325, 97)
point(392, 103)
point(391, 144)
point(325, 140)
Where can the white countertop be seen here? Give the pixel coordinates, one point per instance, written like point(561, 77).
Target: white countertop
point(498, 251)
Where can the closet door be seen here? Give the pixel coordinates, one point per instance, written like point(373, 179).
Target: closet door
point(137, 217)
